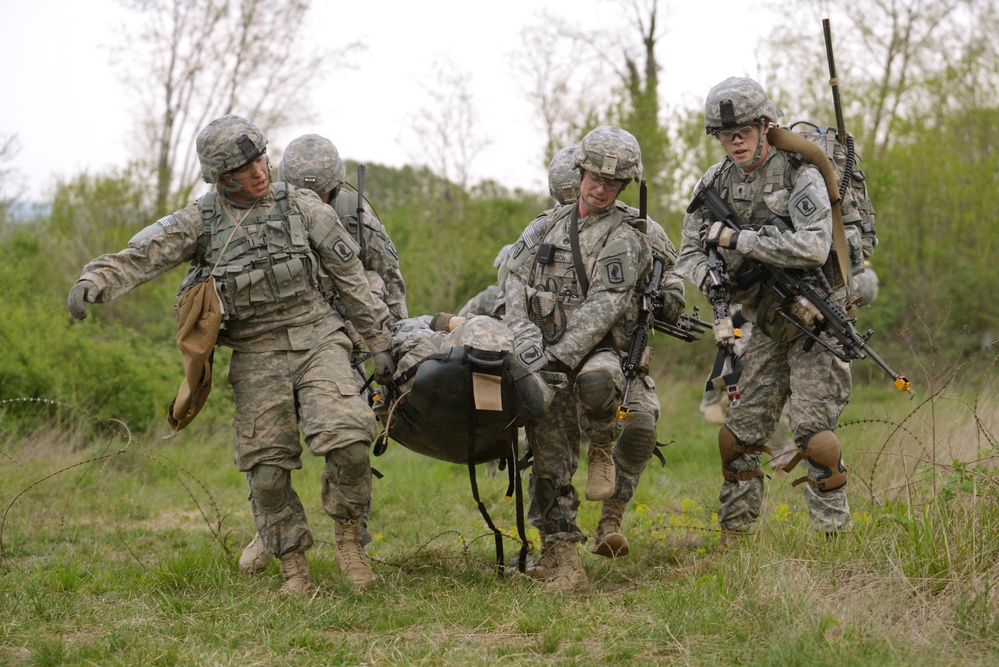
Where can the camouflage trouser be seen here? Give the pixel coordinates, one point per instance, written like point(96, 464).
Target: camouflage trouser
point(818, 385)
point(554, 440)
point(632, 454)
point(278, 393)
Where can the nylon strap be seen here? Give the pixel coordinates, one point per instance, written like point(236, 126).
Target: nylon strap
point(577, 255)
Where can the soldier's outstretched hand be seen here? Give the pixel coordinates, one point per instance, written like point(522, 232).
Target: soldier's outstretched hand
point(82, 292)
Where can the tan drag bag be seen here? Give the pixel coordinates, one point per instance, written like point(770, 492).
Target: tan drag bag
point(199, 317)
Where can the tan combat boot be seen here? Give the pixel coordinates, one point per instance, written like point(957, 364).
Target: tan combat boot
point(350, 554)
point(255, 556)
point(610, 543)
point(545, 566)
point(569, 575)
point(295, 568)
point(601, 475)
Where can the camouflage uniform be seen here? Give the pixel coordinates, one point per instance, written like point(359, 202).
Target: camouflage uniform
point(633, 452)
point(585, 335)
point(311, 162)
point(776, 367)
point(638, 440)
point(290, 367)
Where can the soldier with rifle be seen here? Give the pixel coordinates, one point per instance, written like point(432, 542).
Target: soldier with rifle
point(575, 273)
point(786, 224)
point(660, 309)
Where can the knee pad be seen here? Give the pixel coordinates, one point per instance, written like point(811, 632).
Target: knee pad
point(731, 449)
point(348, 464)
point(596, 391)
point(638, 440)
point(823, 451)
point(269, 486)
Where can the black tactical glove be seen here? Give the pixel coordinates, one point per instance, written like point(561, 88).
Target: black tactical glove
point(384, 366)
point(82, 292)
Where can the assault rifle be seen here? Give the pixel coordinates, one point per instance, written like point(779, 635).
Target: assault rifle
point(688, 326)
point(640, 339)
point(804, 304)
point(723, 329)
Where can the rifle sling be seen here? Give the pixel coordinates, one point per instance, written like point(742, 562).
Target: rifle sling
point(577, 256)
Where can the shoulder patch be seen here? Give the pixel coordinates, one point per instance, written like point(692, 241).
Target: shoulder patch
point(517, 248)
point(615, 270)
point(342, 250)
point(805, 206)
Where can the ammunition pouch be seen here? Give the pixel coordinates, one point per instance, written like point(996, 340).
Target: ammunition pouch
point(730, 449)
point(770, 321)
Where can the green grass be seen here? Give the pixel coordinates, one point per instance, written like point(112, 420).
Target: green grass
point(120, 552)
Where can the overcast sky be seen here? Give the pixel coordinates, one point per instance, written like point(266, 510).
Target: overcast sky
point(66, 104)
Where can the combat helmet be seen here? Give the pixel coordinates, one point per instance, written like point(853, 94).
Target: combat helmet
point(610, 152)
point(563, 177)
point(312, 162)
point(226, 144)
point(737, 101)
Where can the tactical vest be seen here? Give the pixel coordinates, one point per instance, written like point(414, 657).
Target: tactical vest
point(552, 274)
point(749, 201)
point(268, 261)
point(748, 198)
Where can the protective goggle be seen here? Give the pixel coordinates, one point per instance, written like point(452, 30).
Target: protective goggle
point(745, 133)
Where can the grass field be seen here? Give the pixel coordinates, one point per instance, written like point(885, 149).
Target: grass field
point(122, 550)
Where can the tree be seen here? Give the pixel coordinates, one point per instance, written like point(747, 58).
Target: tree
point(549, 60)
point(897, 60)
point(190, 61)
point(580, 79)
point(640, 111)
point(447, 130)
point(10, 146)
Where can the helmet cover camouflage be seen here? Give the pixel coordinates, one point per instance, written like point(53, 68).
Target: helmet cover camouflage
point(563, 177)
point(610, 152)
point(226, 144)
point(737, 101)
point(312, 162)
